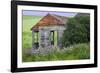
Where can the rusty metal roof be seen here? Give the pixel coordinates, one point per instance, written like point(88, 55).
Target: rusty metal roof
point(51, 20)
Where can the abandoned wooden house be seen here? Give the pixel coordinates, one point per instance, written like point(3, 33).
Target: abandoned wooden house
point(48, 31)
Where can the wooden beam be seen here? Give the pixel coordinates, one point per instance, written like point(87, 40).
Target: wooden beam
point(37, 37)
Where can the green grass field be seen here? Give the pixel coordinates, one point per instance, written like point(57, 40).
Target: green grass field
point(28, 23)
point(80, 51)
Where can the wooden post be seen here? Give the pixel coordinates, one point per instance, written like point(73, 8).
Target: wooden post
point(32, 38)
point(53, 37)
point(37, 37)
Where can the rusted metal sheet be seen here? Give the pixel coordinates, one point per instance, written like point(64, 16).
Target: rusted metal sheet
point(51, 20)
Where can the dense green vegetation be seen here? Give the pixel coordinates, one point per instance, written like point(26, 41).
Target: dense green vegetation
point(77, 31)
point(76, 52)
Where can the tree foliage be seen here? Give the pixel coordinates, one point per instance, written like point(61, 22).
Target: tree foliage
point(77, 31)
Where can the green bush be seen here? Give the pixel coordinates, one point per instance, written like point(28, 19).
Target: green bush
point(77, 31)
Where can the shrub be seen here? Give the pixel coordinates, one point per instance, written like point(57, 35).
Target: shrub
point(77, 31)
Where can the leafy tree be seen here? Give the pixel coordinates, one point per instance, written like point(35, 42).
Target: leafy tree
point(77, 31)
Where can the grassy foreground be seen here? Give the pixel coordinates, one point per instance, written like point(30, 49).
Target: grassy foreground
point(76, 52)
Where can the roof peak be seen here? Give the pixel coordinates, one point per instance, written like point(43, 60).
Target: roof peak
point(54, 14)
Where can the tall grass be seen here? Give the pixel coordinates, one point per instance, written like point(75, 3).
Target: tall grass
point(76, 52)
